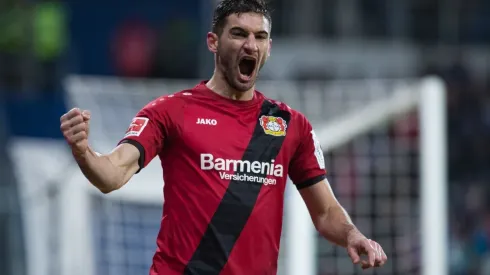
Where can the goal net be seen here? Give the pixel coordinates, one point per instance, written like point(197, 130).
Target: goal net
point(383, 142)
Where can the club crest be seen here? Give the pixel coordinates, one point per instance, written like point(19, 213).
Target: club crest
point(274, 126)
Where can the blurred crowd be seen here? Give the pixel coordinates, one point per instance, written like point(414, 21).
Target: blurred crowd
point(41, 41)
point(469, 159)
point(33, 39)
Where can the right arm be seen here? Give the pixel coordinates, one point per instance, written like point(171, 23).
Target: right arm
point(109, 172)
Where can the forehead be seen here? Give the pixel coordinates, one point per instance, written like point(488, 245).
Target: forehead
point(249, 21)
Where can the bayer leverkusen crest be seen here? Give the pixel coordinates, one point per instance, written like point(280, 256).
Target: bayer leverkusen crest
point(274, 126)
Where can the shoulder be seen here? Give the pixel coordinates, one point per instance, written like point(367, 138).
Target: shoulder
point(295, 114)
point(170, 102)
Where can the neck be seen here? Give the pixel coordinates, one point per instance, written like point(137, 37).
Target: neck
point(219, 85)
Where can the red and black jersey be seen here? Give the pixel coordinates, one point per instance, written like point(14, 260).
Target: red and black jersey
point(225, 166)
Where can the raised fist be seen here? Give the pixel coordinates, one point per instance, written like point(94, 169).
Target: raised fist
point(75, 129)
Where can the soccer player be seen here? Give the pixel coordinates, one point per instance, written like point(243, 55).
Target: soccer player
point(226, 151)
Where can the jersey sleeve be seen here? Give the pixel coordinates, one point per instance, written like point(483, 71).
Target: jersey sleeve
point(148, 131)
point(307, 166)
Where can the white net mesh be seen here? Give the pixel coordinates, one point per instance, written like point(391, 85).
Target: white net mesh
point(367, 127)
point(375, 177)
point(125, 234)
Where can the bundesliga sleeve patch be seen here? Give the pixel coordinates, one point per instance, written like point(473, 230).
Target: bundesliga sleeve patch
point(136, 127)
point(274, 126)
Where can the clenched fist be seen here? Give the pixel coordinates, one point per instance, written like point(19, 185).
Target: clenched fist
point(75, 129)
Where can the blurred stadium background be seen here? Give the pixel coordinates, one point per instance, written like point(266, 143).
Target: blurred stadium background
point(334, 60)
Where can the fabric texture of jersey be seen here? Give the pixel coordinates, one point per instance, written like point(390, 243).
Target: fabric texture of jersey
point(225, 166)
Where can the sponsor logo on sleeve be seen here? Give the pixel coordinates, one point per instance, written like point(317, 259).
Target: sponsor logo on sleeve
point(136, 127)
point(274, 126)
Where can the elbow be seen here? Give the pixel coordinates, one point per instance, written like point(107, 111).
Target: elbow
point(107, 188)
point(105, 191)
point(321, 223)
point(322, 229)
point(328, 219)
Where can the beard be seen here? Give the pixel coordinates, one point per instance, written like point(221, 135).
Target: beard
point(228, 65)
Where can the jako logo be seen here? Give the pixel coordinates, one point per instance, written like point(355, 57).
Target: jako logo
point(206, 121)
point(243, 170)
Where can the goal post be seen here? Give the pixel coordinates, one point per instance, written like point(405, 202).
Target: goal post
point(430, 99)
point(434, 195)
point(384, 147)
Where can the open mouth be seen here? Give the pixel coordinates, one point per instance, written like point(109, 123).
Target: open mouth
point(246, 66)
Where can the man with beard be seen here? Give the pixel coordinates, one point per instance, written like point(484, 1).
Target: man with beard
point(226, 151)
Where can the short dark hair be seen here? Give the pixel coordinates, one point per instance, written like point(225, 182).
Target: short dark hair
point(228, 7)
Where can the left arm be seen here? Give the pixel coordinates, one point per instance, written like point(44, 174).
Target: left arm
point(328, 216)
point(333, 223)
point(307, 171)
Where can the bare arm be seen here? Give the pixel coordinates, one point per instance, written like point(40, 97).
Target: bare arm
point(109, 172)
point(334, 224)
point(106, 172)
point(307, 171)
point(329, 217)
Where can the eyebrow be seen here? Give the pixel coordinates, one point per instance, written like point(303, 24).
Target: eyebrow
point(243, 30)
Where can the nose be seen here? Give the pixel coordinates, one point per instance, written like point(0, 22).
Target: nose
point(250, 45)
